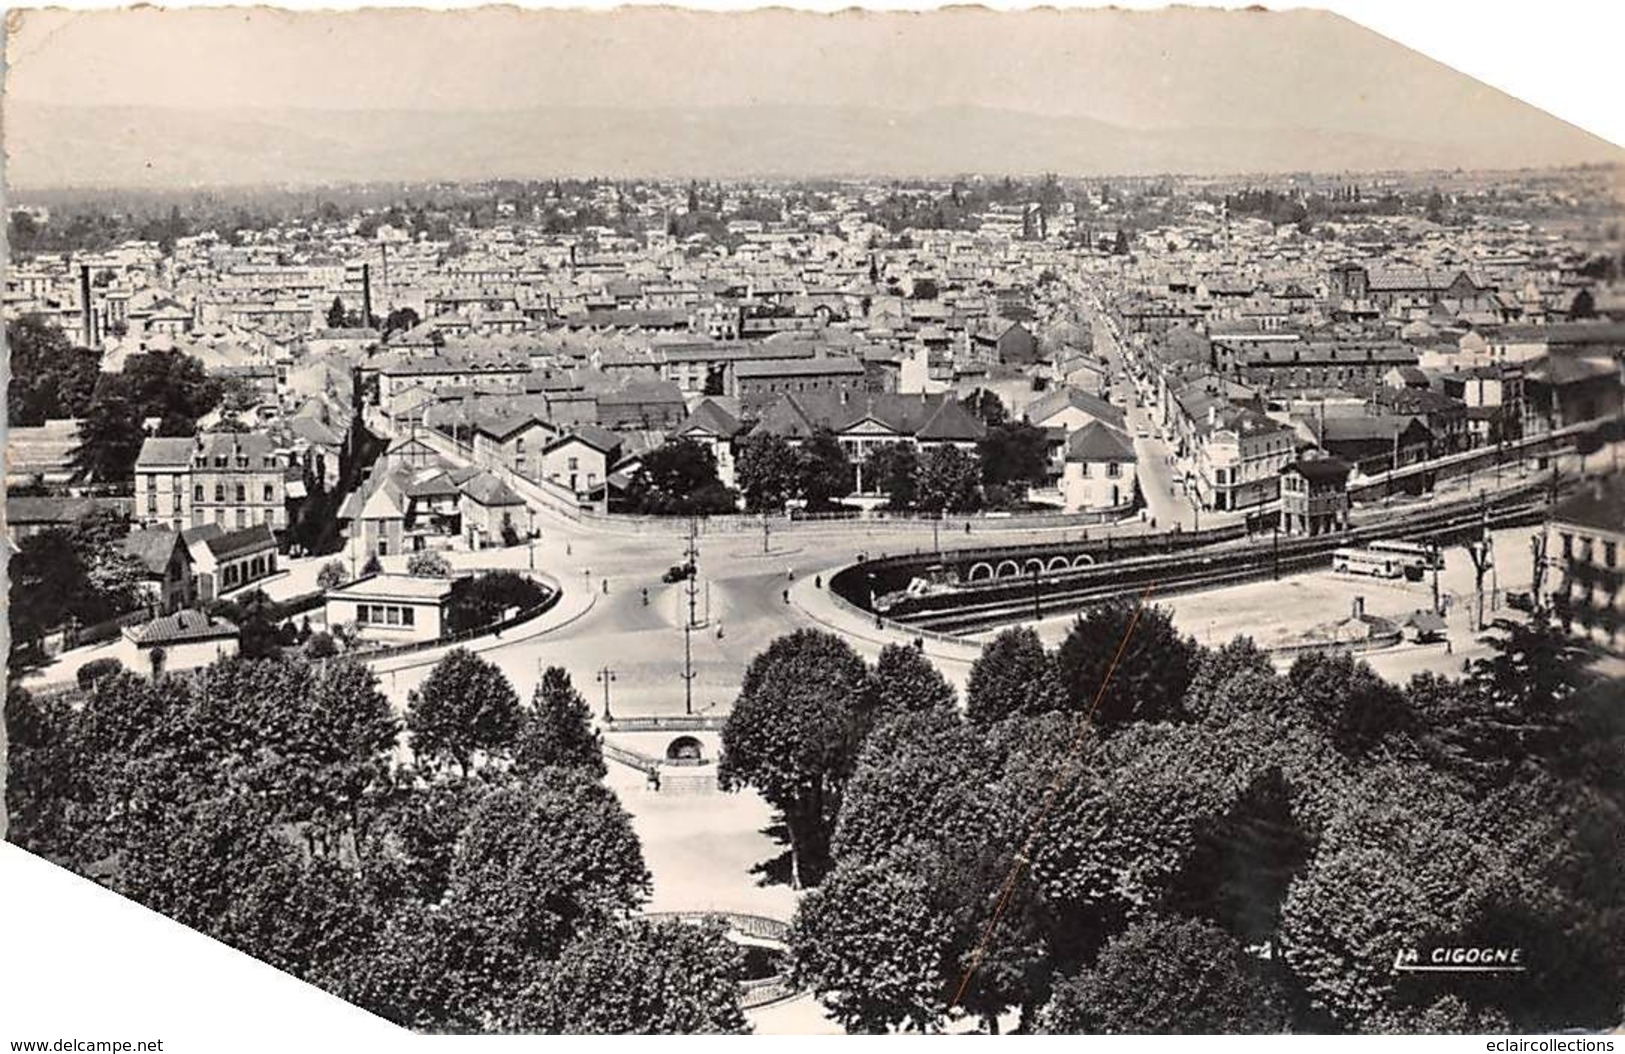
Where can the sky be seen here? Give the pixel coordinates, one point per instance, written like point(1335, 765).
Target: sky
point(204, 96)
point(1138, 69)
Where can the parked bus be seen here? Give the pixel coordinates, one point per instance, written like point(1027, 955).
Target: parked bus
point(1366, 562)
point(1414, 557)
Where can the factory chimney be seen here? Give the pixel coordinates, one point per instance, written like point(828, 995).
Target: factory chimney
point(366, 295)
point(87, 310)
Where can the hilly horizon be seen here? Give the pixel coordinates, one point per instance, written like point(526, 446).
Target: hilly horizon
point(1333, 97)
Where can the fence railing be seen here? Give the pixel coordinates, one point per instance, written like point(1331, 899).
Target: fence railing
point(667, 723)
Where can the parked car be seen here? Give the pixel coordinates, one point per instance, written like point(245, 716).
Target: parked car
point(678, 573)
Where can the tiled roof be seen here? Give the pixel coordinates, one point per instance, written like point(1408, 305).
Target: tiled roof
point(248, 540)
point(187, 625)
point(1098, 442)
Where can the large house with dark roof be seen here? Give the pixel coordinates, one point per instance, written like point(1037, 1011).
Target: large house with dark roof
point(1588, 541)
point(232, 479)
point(865, 423)
point(1099, 469)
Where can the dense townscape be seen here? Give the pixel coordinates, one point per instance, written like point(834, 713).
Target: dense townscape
point(1145, 604)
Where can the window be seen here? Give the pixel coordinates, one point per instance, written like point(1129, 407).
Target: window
point(219, 492)
point(408, 616)
point(197, 492)
point(392, 616)
point(575, 463)
point(152, 502)
point(1610, 553)
point(1568, 546)
point(1113, 469)
point(220, 461)
point(361, 615)
point(270, 492)
point(177, 502)
point(242, 518)
point(242, 493)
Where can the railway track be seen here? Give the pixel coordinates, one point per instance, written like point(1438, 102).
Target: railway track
point(1229, 564)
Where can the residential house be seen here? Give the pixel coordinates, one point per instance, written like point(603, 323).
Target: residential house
point(757, 385)
point(1588, 530)
point(223, 562)
point(1099, 470)
point(714, 427)
point(166, 580)
point(391, 608)
point(1314, 496)
point(492, 514)
point(581, 459)
point(184, 640)
point(233, 479)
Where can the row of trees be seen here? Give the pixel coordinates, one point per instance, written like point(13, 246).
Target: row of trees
point(488, 885)
point(1195, 842)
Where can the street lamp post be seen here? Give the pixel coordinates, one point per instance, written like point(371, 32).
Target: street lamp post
point(606, 677)
point(1036, 603)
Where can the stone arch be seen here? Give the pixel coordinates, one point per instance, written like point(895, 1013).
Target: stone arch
point(979, 572)
point(1033, 564)
point(1008, 569)
point(685, 749)
point(1058, 563)
point(1083, 560)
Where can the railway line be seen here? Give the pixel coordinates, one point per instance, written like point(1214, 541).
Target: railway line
point(1041, 593)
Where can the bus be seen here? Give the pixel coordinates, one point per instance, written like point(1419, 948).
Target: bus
point(1366, 562)
point(1414, 557)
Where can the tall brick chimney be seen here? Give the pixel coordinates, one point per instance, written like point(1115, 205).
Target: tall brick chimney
point(366, 295)
point(87, 310)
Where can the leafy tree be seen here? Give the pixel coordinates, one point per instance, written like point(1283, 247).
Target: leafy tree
point(542, 861)
point(110, 436)
point(1013, 675)
point(870, 943)
point(905, 681)
point(1358, 709)
point(1014, 454)
point(463, 709)
point(768, 472)
point(337, 316)
point(948, 481)
point(427, 563)
point(220, 868)
point(557, 729)
point(1206, 696)
point(678, 478)
point(373, 566)
point(1167, 975)
point(50, 378)
point(793, 734)
point(823, 469)
point(42, 784)
point(332, 575)
point(1150, 665)
point(162, 383)
point(1241, 867)
point(925, 289)
point(893, 468)
point(987, 406)
point(479, 600)
point(649, 978)
point(400, 320)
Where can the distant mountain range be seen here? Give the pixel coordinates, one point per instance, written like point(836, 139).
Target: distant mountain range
point(1303, 91)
